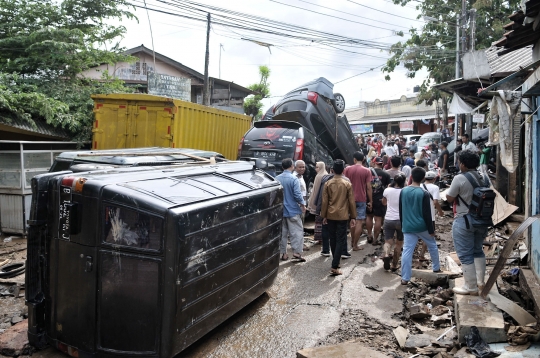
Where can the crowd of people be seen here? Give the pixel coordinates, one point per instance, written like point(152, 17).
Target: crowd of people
point(372, 195)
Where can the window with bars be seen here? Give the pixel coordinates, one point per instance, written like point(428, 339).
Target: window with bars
point(144, 69)
point(137, 70)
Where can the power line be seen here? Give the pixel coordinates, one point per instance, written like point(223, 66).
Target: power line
point(348, 78)
point(385, 12)
point(335, 17)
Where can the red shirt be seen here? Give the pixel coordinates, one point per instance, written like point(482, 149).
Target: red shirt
point(359, 177)
point(377, 146)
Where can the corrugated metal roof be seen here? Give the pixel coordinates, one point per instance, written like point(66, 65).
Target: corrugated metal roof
point(511, 62)
point(41, 128)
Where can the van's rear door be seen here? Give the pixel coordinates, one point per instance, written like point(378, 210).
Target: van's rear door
point(272, 140)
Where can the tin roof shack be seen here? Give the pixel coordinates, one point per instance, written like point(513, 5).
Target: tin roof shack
point(145, 261)
point(20, 161)
point(522, 31)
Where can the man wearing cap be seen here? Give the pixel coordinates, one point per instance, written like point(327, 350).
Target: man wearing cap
point(376, 211)
point(338, 207)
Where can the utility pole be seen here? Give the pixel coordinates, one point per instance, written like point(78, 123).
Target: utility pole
point(473, 29)
point(206, 94)
point(463, 23)
point(457, 48)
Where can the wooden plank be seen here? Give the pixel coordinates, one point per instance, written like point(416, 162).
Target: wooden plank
point(505, 254)
point(529, 284)
point(522, 317)
point(220, 94)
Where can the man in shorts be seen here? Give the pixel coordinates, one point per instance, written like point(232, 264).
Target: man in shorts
point(360, 178)
point(376, 211)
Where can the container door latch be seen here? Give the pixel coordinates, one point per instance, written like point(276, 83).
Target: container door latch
point(88, 264)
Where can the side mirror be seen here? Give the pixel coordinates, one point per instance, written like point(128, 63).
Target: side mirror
point(261, 164)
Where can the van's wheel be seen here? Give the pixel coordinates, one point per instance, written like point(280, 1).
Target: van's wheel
point(339, 103)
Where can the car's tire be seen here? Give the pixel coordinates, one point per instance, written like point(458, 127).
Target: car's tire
point(339, 103)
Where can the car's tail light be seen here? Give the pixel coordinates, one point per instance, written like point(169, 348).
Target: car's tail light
point(299, 151)
point(76, 184)
point(312, 97)
point(240, 145)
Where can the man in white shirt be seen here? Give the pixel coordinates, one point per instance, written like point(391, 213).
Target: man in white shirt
point(299, 170)
point(390, 150)
point(468, 145)
point(435, 196)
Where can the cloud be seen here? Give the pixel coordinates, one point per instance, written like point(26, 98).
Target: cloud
point(291, 62)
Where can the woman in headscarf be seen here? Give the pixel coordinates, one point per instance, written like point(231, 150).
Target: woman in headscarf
point(407, 171)
point(320, 168)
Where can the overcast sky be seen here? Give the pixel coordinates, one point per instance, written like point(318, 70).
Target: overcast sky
point(291, 62)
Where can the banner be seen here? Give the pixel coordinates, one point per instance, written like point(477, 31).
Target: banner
point(406, 126)
point(362, 128)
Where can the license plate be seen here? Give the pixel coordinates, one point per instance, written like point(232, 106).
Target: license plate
point(64, 222)
point(265, 154)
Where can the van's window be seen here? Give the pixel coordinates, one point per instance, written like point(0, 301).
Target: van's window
point(428, 139)
point(273, 133)
point(127, 227)
point(291, 106)
point(60, 165)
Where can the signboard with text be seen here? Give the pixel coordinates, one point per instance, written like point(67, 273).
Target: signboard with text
point(406, 126)
point(478, 118)
point(170, 86)
point(362, 128)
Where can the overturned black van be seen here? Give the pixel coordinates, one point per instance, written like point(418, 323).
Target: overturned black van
point(143, 261)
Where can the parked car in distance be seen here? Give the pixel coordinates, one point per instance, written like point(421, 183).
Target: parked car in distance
point(316, 108)
point(276, 140)
point(371, 135)
point(410, 137)
point(429, 138)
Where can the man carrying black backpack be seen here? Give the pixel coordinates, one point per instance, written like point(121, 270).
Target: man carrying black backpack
point(473, 206)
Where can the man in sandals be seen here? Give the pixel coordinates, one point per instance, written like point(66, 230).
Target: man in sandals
point(338, 206)
point(293, 208)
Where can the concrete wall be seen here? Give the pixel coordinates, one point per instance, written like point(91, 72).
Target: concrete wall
point(402, 105)
point(475, 64)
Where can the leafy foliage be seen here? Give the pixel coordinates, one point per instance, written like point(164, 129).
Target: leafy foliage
point(253, 104)
point(434, 45)
point(44, 46)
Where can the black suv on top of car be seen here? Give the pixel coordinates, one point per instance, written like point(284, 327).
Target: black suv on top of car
point(316, 107)
point(277, 140)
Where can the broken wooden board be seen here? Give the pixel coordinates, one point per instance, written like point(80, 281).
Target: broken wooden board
point(342, 350)
point(505, 254)
point(522, 317)
point(401, 335)
point(529, 284)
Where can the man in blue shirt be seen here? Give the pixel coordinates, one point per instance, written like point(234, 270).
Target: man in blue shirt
point(293, 208)
point(416, 223)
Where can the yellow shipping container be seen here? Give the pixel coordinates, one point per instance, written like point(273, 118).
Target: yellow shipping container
point(129, 120)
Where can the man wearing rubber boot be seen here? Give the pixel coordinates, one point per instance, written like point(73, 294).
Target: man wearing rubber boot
point(468, 239)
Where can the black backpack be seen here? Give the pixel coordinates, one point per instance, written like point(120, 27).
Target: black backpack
point(482, 204)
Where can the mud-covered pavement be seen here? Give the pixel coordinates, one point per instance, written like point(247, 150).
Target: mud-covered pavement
point(306, 307)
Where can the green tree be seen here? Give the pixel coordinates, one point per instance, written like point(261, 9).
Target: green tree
point(45, 45)
point(253, 104)
point(433, 45)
